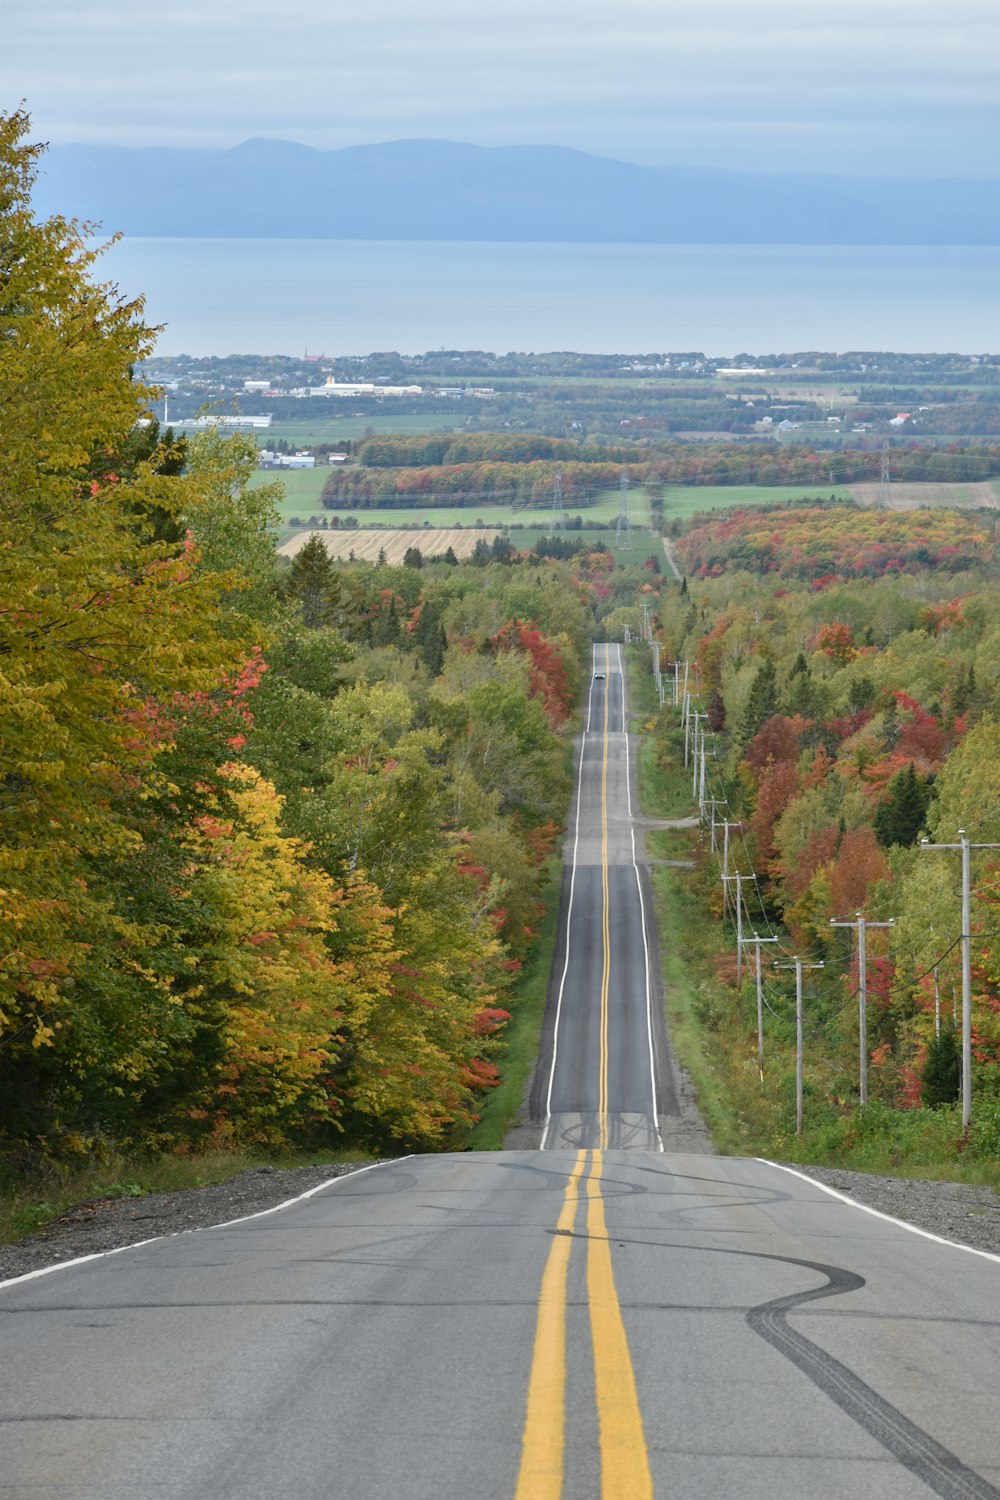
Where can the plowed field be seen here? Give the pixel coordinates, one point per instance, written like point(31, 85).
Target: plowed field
point(922, 495)
point(368, 543)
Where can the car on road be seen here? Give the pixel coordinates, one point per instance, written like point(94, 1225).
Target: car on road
point(598, 676)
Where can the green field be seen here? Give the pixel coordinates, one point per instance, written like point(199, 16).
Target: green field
point(303, 488)
point(683, 500)
point(644, 544)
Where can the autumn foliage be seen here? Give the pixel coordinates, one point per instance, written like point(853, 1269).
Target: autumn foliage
point(824, 544)
point(272, 841)
point(862, 671)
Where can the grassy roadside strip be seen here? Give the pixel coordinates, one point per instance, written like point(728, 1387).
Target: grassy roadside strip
point(713, 1026)
point(34, 1203)
point(519, 1049)
point(516, 1063)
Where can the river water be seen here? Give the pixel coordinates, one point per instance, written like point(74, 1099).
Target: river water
point(355, 297)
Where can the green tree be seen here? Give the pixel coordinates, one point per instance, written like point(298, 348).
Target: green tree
point(941, 1076)
point(314, 583)
point(901, 817)
point(105, 620)
point(761, 705)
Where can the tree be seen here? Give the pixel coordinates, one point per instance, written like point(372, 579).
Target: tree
point(901, 817)
point(716, 711)
point(107, 622)
point(941, 1076)
point(761, 705)
point(97, 618)
point(800, 694)
point(313, 582)
point(234, 523)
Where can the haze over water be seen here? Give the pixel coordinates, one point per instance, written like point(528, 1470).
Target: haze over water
point(352, 297)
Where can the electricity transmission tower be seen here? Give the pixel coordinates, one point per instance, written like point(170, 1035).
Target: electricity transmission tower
point(624, 526)
point(882, 499)
point(559, 514)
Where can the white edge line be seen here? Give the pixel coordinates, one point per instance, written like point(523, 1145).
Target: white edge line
point(642, 911)
point(569, 916)
point(877, 1213)
point(81, 1260)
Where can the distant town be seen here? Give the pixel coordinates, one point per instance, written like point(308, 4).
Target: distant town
point(313, 408)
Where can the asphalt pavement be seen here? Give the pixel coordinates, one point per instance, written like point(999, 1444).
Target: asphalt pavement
point(605, 1077)
point(603, 1319)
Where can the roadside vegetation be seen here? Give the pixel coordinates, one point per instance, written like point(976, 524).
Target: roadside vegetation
point(31, 1200)
point(846, 666)
point(276, 836)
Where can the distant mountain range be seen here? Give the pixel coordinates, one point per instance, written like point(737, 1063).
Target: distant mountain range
point(444, 190)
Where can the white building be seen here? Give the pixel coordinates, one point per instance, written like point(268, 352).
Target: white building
point(268, 460)
point(363, 388)
point(200, 424)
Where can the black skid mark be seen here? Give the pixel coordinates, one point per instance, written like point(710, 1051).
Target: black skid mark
point(925, 1458)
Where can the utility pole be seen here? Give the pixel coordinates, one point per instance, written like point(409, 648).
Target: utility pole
point(714, 804)
point(798, 966)
point(697, 717)
point(677, 673)
point(739, 924)
point(965, 847)
point(862, 925)
point(645, 619)
point(725, 863)
point(701, 782)
point(757, 941)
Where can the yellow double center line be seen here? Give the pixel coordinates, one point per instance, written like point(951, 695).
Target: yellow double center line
point(602, 1076)
point(624, 1460)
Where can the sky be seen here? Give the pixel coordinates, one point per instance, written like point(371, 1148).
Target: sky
point(856, 87)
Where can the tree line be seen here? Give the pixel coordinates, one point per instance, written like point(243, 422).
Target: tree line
point(533, 481)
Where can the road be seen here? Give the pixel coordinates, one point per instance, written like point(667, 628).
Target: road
point(602, 1319)
point(604, 1077)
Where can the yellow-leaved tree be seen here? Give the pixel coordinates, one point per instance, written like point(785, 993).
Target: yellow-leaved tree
point(100, 621)
point(267, 976)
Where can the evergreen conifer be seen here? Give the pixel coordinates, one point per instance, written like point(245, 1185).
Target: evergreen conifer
point(939, 1081)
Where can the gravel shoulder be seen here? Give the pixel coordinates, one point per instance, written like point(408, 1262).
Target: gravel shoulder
point(112, 1223)
point(953, 1210)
